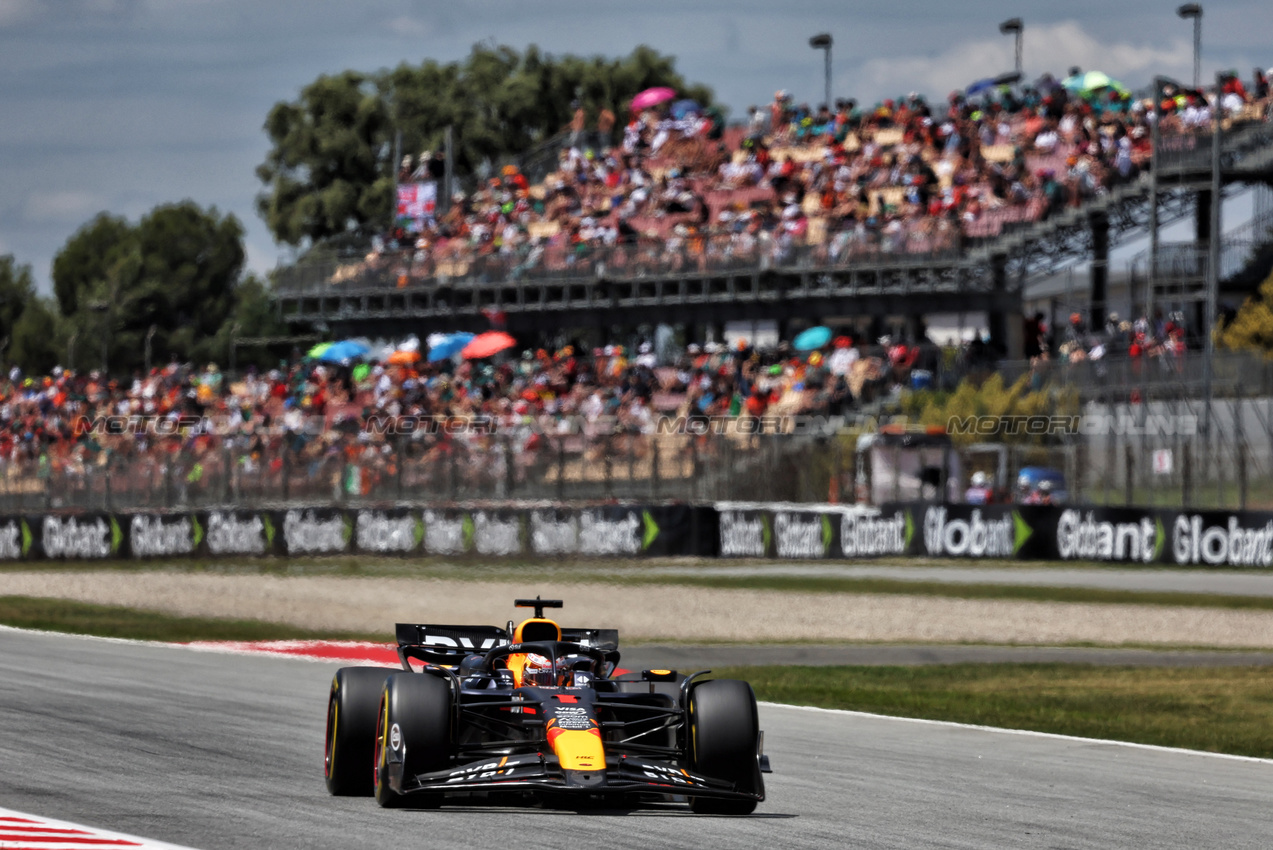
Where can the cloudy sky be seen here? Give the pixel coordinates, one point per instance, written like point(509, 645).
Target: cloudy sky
point(122, 105)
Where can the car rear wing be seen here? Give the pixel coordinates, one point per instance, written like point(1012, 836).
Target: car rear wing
point(442, 644)
point(603, 639)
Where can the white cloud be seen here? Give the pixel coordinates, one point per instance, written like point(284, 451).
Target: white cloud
point(407, 26)
point(1050, 47)
point(63, 206)
point(15, 11)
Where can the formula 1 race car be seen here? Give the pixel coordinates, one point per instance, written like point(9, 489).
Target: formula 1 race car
point(539, 713)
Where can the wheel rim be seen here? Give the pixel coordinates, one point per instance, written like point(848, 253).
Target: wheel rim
point(381, 718)
point(329, 751)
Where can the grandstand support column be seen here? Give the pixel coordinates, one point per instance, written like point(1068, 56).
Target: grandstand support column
point(1202, 243)
point(784, 329)
point(1202, 218)
point(1005, 320)
point(1099, 222)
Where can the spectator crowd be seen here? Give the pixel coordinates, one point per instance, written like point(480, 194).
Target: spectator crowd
point(179, 423)
point(677, 191)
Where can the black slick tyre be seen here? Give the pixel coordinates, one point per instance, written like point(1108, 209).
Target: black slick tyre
point(413, 735)
point(724, 729)
point(351, 730)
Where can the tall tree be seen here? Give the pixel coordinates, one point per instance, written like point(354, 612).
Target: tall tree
point(176, 271)
point(27, 323)
point(93, 247)
point(330, 171)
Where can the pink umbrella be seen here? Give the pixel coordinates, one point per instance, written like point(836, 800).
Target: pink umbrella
point(653, 97)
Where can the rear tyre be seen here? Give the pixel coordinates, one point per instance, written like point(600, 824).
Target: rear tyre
point(418, 707)
point(351, 729)
point(724, 731)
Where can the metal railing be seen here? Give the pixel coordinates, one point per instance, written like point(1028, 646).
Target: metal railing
point(1177, 452)
point(1123, 378)
point(515, 465)
point(938, 241)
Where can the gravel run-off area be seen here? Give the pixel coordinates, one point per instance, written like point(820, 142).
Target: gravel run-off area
point(650, 612)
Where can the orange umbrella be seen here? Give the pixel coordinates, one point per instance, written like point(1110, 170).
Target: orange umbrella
point(484, 345)
point(403, 358)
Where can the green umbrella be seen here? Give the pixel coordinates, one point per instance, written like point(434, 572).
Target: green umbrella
point(318, 350)
point(361, 371)
point(1092, 81)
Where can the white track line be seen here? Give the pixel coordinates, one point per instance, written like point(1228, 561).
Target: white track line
point(19, 829)
point(1026, 732)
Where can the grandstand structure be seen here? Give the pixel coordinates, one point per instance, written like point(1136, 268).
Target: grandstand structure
point(986, 268)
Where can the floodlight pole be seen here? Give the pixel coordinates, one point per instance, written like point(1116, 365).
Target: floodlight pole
point(823, 42)
point(1015, 26)
point(1213, 262)
point(1154, 136)
point(1187, 11)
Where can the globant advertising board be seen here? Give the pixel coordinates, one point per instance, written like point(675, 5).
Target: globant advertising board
point(779, 531)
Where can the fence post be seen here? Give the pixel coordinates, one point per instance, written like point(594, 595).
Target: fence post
point(1186, 475)
point(227, 466)
point(654, 467)
point(694, 489)
point(285, 467)
point(1128, 470)
point(452, 472)
point(1241, 474)
point(561, 469)
point(1111, 463)
point(897, 477)
point(608, 468)
point(1218, 454)
point(399, 461)
point(943, 486)
point(1239, 434)
point(510, 474)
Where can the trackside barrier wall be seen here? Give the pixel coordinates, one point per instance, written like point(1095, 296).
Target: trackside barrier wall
point(723, 529)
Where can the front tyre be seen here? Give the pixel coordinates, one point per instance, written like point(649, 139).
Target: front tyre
point(413, 734)
point(724, 732)
point(351, 729)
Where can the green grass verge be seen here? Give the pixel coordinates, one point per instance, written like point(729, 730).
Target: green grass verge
point(1223, 709)
point(58, 615)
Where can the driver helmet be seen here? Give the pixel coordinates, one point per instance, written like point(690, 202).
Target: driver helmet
point(538, 671)
point(980, 479)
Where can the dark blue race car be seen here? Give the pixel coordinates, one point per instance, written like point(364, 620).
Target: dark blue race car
point(538, 713)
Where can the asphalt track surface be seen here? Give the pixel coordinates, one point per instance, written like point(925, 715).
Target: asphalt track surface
point(1224, 582)
point(211, 750)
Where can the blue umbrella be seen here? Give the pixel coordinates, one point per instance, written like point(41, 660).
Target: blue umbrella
point(345, 350)
point(980, 86)
point(813, 338)
point(684, 107)
point(449, 346)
